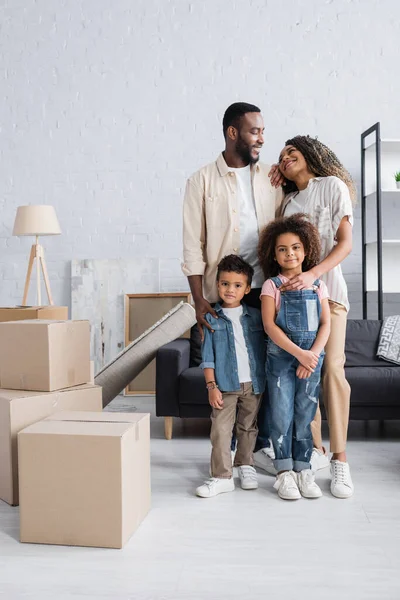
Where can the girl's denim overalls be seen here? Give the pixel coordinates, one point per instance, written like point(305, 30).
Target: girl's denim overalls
point(293, 401)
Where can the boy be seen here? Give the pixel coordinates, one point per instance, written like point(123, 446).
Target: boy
point(234, 355)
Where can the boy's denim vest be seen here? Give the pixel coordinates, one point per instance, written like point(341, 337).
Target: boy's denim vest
point(219, 352)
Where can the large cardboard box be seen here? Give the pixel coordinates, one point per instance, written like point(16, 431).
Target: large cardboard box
point(43, 355)
point(21, 313)
point(91, 379)
point(84, 478)
point(20, 409)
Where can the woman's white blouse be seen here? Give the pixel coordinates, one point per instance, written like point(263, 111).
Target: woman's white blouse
point(326, 200)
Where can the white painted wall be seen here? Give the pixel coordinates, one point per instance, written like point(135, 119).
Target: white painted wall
point(106, 108)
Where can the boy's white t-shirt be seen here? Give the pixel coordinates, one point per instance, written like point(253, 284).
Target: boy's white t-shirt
point(248, 223)
point(242, 355)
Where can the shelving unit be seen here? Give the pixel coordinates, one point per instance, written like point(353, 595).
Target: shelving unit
point(380, 217)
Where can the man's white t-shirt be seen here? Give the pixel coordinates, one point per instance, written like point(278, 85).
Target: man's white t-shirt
point(249, 233)
point(242, 355)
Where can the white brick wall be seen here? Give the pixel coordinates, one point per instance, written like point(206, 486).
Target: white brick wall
point(106, 108)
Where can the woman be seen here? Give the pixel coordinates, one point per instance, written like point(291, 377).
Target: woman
point(317, 184)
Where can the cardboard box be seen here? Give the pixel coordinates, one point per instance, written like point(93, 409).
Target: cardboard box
point(20, 313)
point(91, 378)
point(20, 409)
point(44, 356)
point(84, 478)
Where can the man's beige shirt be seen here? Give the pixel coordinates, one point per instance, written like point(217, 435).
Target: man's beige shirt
point(211, 214)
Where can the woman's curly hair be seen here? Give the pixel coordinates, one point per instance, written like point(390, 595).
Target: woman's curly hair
point(321, 161)
point(297, 224)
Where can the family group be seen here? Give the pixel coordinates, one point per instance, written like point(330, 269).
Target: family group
point(263, 248)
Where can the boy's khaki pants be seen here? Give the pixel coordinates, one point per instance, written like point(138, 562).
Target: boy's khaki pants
point(242, 407)
point(335, 388)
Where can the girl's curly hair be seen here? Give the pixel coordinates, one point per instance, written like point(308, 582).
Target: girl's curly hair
point(297, 224)
point(321, 161)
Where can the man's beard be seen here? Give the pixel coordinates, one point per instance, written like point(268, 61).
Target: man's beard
point(243, 151)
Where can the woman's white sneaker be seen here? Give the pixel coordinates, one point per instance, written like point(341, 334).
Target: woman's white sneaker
point(341, 484)
point(306, 484)
point(214, 486)
point(319, 459)
point(286, 484)
point(248, 477)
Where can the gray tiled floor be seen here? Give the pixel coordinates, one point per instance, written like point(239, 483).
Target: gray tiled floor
point(239, 545)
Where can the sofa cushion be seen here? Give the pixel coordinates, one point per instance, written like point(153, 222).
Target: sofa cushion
point(362, 339)
point(374, 386)
point(192, 387)
point(195, 347)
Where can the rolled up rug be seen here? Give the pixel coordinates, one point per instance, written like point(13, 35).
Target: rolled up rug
point(119, 372)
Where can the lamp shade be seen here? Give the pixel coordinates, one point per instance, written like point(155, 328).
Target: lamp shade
point(36, 220)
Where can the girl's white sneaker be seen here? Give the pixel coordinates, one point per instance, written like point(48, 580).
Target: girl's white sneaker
point(214, 486)
point(286, 484)
point(306, 484)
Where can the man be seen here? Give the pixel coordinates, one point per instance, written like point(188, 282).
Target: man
point(226, 205)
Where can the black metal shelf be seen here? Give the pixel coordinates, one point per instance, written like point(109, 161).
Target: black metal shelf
point(375, 129)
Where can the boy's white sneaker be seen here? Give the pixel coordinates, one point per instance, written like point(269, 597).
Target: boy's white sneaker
point(286, 484)
point(306, 484)
point(264, 459)
point(341, 484)
point(319, 459)
point(248, 477)
point(214, 486)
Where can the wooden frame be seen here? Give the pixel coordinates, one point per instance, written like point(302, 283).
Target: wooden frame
point(161, 303)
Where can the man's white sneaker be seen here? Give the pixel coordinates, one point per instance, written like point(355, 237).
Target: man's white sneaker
point(341, 484)
point(306, 484)
point(248, 477)
point(263, 459)
point(319, 459)
point(214, 486)
point(286, 484)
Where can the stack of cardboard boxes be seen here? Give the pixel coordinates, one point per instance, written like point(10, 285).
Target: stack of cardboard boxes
point(82, 477)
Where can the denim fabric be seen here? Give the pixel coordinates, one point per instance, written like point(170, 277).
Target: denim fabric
point(263, 417)
point(264, 423)
point(293, 401)
point(219, 352)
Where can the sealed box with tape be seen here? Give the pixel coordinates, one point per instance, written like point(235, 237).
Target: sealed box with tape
point(84, 478)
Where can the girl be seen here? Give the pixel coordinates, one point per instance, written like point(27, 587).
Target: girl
point(297, 324)
point(317, 184)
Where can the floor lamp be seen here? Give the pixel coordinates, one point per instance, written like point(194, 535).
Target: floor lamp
point(36, 221)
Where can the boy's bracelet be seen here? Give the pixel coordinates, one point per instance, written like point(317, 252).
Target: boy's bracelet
point(211, 385)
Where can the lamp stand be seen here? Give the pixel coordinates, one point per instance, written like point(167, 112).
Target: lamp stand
point(38, 254)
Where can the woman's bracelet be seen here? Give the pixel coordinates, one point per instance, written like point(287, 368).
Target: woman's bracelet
point(211, 385)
